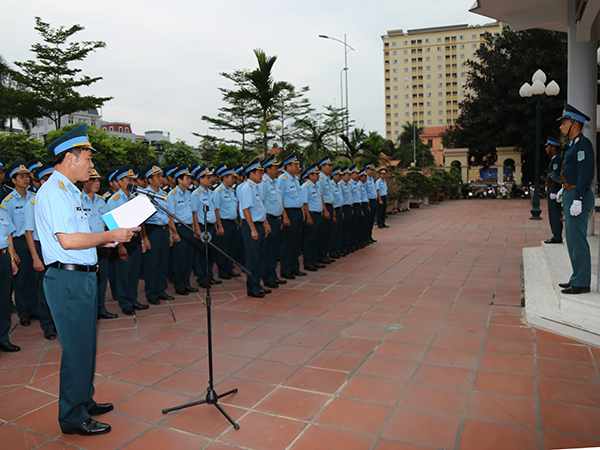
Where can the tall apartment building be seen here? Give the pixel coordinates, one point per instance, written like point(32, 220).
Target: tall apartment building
point(425, 76)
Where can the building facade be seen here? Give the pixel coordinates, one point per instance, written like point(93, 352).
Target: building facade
point(425, 76)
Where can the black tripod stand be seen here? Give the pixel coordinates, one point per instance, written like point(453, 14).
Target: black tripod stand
point(212, 398)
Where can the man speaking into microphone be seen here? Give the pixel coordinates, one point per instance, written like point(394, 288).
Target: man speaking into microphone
point(69, 249)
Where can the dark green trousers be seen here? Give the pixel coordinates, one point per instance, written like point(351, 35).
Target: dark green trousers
point(556, 225)
point(577, 243)
point(72, 297)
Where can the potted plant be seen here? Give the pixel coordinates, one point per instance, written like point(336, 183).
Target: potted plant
point(418, 186)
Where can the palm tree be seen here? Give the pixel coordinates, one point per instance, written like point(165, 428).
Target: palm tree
point(315, 135)
point(264, 89)
point(11, 94)
point(353, 143)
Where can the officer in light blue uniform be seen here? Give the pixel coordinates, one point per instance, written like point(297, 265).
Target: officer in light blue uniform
point(26, 294)
point(94, 207)
point(226, 203)
point(42, 173)
point(129, 264)
point(325, 237)
point(8, 268)
point(373, 200)
point(157, 234)
point(313, 212)
point(382, 191)
point(338, 202)
point(578, 198)
point(363, 220)
point(69, 248)
point(32, 165)
point(291, 234)
point(553, 185)
point(254, 228)
point(355, 187)
point(202, 197)
point(179, 201)
point(271, 196)
point(346, 209)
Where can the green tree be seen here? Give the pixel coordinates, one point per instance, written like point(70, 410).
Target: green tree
point(373, 149)
point(406, 152)
point(353, 144)
point(48, 85)
point(335, 118)
point(15, 146)
point(264, 90)
point(314, 135)
point(140, 154)
point(290, 106)
point(228, 154)
point(493, 114)
point(180, 153)
point(11, 107)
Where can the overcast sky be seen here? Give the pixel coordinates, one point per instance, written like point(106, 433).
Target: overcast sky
point(163, 58)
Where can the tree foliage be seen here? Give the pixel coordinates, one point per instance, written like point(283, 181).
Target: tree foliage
point(228, 154)
point(47, 86)
point(15, 146)
point(493, 114)
point(180, 153)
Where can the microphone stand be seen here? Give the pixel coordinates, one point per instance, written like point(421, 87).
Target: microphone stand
point(212, 398)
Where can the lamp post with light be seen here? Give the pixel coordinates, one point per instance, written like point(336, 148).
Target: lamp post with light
point(347, 48)
point(527, 91)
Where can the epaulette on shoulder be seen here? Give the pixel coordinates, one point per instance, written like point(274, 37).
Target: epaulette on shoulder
point(32, 201)
point(8, 197)
point(116, 196)
point(220, 189)
point(2, 207)
point(285, 177)
point(172, 191)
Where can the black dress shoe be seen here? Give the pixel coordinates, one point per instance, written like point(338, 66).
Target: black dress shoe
point(203, 285)
point(257, 294)
point(272, 284)
point(576, 290)
point(90, 427)
point(225, 277)
point(278, 281)
point(334, 256)
point(235, 275)
point(191, 289)
point(25, 321)
point(107, 315)
point(288, 276)
point(182, 292)
point(213, 281)
point(325, 261)
point(50, 334)
point(128, 311)
point(319, 265)
point(154, 301)
point(385, 226)
point(564, 285)
point(101, 408)
point(298, 273)
point(311, 268)
point(166, 297)
point(8, 347)
point(552, 241)
point(266, 291)
point(140, 307)
point(372, 241)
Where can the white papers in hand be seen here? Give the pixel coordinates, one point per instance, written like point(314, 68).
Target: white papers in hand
point(130, 214)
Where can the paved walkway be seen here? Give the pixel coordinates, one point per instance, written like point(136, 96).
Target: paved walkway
point(320, 364)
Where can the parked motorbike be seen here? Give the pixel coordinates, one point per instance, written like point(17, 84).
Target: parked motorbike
point(502, 191)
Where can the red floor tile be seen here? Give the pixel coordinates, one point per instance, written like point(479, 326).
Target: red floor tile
point(16, 438)
point(354, 415)
point(293, 403)
point(451, 357)
point(574, 392)
point(478, 435)
point(505, 383)
point(388, 368)
point(560, 440)
point(372, 389)
point(503, 409)
point(267, 371)
point(420, 427)
point(318, 437)
point(163, 438)
point(290, 354)
point(500, 362)
point(567, 370)
point(572, 419)
point(318, 380)
point(434, 399)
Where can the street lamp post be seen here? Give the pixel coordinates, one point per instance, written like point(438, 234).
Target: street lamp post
point(537, 89)
point(347, 48)
point(414, 141)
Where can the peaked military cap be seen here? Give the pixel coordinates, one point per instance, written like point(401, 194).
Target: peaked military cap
point(269, 161)
point(290, 159)
point(181, 170)
point(48, 169)
point(94, 172)
point(111, 173)
point(370, 165)
point(77, 137)
point(151, 169)
point(2, 162)
point(34, 164)
point(170, 169)
point(570, 112)
point(125, 172)
point(17, 167)
point(336, 169)
point(324, 161)
point(202, 172)
point(253, 165)
point(552, 141)
point(239, 170)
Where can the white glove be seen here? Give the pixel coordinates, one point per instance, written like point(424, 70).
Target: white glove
point(575, 208)
point(559, 195)
point(552, 196)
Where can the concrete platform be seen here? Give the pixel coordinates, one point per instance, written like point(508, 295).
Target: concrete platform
point(575, 316)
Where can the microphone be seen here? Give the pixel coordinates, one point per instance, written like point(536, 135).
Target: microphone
point(135, 189)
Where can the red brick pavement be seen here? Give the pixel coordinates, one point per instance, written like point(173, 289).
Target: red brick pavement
point(320, 365)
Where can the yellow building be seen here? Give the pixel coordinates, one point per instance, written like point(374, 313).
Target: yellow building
point(425, 76)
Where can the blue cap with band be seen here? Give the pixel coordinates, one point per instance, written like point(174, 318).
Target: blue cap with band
point(253, 165)
point(17, 167)
point(151, 169)
point(48, 169)
point(291, 159)
point(181, 170)
point(125, 172)
point(552, 141)
point(573, 113)
point(35, 163)
point(269, 161)
point(77, 137)
point(324, 161)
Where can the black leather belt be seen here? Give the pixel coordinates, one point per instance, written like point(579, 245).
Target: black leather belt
point(152, 226)
point(181, 225)
point(75, 267)
point(227, 220)
point(294, 209)
point(317, 213)
point(271, 216)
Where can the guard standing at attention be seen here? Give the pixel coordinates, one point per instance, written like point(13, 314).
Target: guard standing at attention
point(276, 215)
point(338, 202)
point(373, 199)
point(325, 236)
point(180, 204)
point(159, 239)
point(344, 185)
point(382, 191)
point(226, 203)
point(94, 207)
point(25, 291)
point(129, 264)
point(313, 213)
point(69, 248)
point(578, 198)
point(289, 186)
point(8, 269)
point(254, 228)
point(355, 188)
point(553, 185)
